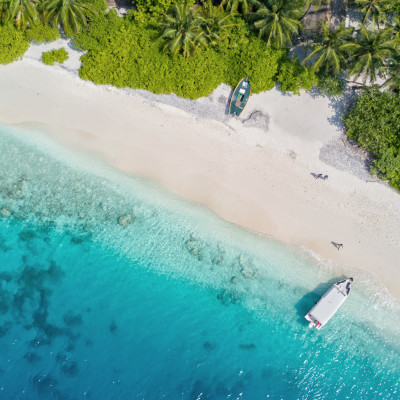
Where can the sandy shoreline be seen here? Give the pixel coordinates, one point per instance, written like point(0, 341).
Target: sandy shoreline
point(257, 178)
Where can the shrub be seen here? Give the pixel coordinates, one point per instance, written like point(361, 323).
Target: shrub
point(13, 44)
point(374, 123)
point(100, 6)
point(292, 76)
point(254, 59)
point(387, 165)
point(41, 33)
point(50, 57)
point(125, 54)
point(100, 32)
point(331, 85)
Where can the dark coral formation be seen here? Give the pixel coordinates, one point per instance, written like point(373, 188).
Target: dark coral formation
point(113, 327)
point(32, 357)
point(71, 319)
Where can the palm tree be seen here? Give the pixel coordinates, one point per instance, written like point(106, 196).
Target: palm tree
point(233, 6)
point(216, 25)
point(327, 50)
point(393, 71)
point(395, 28)
point(22, 12)
point(70, 14)
point(182, 31)
point(374, 8)
point(370, 52)
point(277, 21)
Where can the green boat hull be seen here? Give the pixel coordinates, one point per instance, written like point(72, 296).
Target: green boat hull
point(240, 97)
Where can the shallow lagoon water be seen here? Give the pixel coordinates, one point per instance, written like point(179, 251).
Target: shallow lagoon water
point(177, 305)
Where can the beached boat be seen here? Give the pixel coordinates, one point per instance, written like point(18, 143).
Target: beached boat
point(329, 303)
point(240, 96)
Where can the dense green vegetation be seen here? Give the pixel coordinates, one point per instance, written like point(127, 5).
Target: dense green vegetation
point(41, 33)
point(50, 57)
point(13, 44)
point(374, 123)
point(127, 54)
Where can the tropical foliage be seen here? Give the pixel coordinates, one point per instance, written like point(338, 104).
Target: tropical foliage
point(277, 21)
point(41, 33)
point(127, 54)
point(374, 122)
point(71, 15)
point(21, 12)
point(394, 28)
point(215, 25)
point(181, 30)
point(393, 75)
point(293, 77)
point(374, 9)
point(370, 51)
point(13, 44)
point(328, 49)
point(50, 57)
point(331, 85)
point(235, 6)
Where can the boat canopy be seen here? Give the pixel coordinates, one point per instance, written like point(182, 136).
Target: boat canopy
point(330, 302)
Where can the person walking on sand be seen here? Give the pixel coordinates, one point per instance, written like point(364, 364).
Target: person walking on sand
point(325, 177)
point(339, 246)
point(319, 176)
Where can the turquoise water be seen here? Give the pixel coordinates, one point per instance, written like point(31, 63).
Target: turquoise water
point(177, 305)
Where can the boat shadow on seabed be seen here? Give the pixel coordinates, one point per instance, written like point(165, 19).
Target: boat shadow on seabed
point(311, 298)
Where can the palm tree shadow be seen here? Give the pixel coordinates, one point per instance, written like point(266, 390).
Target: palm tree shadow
point(310, 299)
point(340, 105)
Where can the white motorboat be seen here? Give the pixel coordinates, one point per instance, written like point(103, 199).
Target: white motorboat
point(329, 303)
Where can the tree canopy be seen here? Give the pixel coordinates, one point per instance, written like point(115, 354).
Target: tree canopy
point(277, 21)
point(374, 123)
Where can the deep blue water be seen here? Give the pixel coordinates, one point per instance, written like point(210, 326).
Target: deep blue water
point(177, 305)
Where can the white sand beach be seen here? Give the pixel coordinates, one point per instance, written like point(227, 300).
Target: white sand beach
point(258, 176)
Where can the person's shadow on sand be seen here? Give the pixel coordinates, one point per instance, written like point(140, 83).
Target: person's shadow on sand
point(304, 305)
